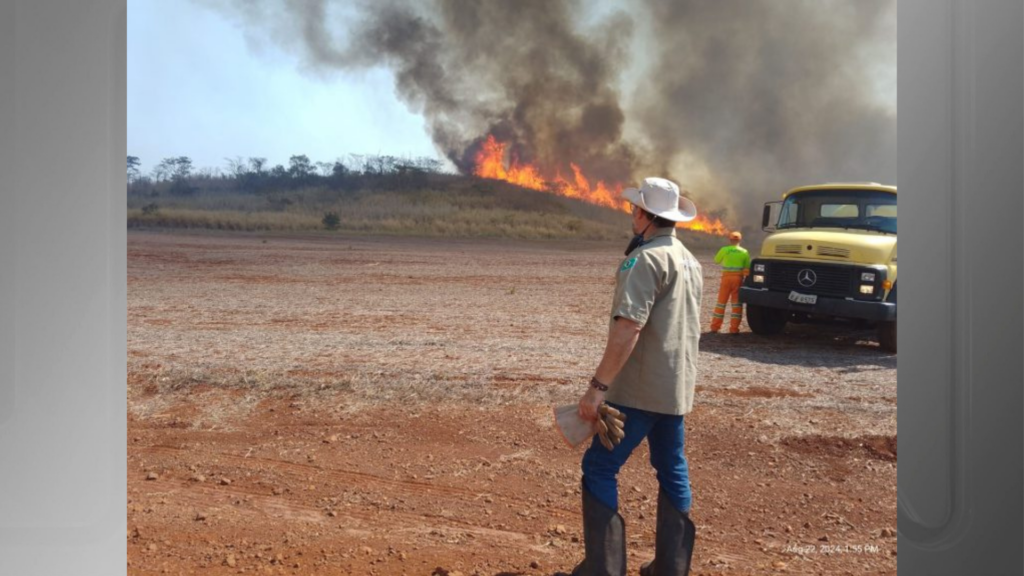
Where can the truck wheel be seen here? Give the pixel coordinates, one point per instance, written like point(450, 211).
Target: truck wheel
point(887, 335)
point(766, 321)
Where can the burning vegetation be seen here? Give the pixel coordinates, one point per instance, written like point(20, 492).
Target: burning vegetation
point(491, 163)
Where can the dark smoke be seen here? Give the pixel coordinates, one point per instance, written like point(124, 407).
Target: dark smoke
point(771, 95)
point(737, 100)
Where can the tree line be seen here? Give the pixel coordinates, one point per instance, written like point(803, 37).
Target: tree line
point(177, 175)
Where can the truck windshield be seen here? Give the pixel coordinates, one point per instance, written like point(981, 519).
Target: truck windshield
point(860, 209)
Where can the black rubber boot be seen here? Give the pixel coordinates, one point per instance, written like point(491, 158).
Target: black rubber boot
point(673, 543)
point(604, 540)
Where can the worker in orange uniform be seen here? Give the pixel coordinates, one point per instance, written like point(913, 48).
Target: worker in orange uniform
point(735, 261)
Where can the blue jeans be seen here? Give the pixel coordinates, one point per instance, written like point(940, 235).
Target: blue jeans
point(666, 437)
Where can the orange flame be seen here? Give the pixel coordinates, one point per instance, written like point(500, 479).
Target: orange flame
point(490, 163)
point(704, 224)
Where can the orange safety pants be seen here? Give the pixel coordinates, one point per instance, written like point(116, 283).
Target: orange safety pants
point(729, 291)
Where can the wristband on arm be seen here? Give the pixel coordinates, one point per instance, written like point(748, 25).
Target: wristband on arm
point(595, 383)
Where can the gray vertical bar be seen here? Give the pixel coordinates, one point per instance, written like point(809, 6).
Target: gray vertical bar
point(961, 397)
point(62, 230)
point(8, 237)
point(926, 199)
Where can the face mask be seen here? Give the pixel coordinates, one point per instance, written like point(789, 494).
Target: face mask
point(638, 240)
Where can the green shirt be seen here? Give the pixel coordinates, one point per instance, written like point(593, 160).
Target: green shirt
point(659, 287)
point(733, 259)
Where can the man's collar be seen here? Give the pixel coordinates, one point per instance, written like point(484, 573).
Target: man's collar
point(670, 231)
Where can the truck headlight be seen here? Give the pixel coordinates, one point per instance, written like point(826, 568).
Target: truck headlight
point(867, 276)
point(867, 288)
point(758, 278)
point(759, 268)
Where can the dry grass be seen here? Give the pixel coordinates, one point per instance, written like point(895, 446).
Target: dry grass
point(190, 218)
point(362, 388)
point(449, 207)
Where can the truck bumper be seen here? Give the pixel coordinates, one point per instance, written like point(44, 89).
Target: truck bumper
point(826, 306)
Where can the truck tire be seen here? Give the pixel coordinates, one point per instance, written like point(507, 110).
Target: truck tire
point(887, 335)
point(766, 321)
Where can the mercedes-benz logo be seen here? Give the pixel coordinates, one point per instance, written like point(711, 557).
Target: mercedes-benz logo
point(806, 277)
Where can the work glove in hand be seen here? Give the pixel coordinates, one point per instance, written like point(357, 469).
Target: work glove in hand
point(610, 426)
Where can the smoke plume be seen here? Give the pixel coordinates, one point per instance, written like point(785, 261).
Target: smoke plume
point(738, 100)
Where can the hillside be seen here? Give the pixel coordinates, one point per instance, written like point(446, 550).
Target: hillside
point(438, 205)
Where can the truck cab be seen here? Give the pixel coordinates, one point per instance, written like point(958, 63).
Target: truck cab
point(830, 255)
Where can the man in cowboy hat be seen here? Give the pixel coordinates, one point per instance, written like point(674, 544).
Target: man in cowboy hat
point(648, 373)
point(735, 261)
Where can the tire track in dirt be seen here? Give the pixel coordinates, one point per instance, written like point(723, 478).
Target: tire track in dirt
point(241, 503)
point(410, 487)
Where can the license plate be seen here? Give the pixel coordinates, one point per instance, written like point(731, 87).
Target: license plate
point(803, 298)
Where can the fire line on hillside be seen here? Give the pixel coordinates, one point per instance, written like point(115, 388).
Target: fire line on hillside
point(490, 163)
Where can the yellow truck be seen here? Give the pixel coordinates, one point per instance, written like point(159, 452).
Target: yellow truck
point(830, 255)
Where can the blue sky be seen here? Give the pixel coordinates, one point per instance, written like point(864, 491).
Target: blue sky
point(195, 88)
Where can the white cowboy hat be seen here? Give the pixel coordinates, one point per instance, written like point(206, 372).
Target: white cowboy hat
point(661, 197)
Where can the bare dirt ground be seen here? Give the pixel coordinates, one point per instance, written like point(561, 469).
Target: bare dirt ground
point(325, 405)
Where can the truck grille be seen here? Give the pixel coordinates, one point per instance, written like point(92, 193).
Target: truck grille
point(830, 280)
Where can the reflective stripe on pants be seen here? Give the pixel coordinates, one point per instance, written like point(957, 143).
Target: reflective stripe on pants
point(728, 291)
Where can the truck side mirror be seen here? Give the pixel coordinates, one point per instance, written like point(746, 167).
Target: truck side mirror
point(766, 217)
